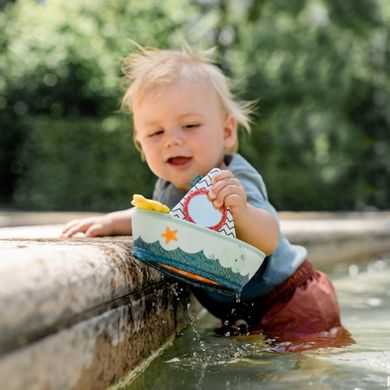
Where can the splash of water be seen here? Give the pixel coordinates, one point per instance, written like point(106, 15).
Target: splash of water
point(197, 337)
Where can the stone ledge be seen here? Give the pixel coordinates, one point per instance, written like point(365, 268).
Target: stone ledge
point(94, 353)
point(83, 307)
point(83, 313)
point(329, 237)
point(344, 237)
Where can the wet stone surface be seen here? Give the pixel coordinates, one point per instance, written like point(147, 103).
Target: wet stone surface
point(80, 313)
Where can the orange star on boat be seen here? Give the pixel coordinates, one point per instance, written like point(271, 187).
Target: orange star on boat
point(169, 235)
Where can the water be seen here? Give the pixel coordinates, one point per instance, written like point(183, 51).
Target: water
point(198, 359)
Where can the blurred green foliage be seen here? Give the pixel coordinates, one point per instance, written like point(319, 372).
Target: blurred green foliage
point(86, 162)
point(318, 69)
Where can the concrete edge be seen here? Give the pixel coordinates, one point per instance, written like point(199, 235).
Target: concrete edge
point(71, 301)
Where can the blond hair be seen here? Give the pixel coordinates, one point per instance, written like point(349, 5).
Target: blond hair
point(147, 69)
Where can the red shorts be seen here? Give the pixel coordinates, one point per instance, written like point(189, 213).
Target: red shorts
point(305, 303)
point(302, 308)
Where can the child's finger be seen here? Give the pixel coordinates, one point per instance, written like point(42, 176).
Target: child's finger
point(70, 224)
point(221, 176)
point(234, 200)
point(78, 222)
point(76, 228)
point(95, 230)
point(229, 190)
point(218, 186)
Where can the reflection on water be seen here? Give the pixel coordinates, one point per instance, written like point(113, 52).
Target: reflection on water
point(202, 360)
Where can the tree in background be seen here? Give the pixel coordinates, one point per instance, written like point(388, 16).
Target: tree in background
point(319, 72)
point(62, 131)
point(316, 68)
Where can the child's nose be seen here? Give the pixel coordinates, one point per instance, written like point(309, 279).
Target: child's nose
point(174, 138)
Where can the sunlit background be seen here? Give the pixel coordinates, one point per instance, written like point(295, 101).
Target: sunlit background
point(318, 69)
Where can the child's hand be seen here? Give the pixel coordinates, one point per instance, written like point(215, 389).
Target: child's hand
point(92, 227)
point(228, 191)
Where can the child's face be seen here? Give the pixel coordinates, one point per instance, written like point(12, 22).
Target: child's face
point(183, 131)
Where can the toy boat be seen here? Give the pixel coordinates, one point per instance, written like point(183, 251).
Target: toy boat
point(194, 242)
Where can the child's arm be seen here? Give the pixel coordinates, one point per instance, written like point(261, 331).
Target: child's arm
point(255, 226)
point(117, 223)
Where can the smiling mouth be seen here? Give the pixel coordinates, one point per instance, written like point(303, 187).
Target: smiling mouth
point(179, 161)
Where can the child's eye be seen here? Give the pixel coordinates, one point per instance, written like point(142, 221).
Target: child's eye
point(191, 125)
point(156, 132)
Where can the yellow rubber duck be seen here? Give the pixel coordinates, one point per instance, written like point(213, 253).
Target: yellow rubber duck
point(148, 204)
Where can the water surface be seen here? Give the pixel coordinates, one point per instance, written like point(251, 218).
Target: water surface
point(199, 359)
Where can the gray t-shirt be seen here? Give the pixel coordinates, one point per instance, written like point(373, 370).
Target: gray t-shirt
point(277, 267)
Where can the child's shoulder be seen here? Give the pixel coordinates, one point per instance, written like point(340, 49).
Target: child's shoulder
point(238, 164)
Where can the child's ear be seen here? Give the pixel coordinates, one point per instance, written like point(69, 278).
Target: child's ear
point(230, 132)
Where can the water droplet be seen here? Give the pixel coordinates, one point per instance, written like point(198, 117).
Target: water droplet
point(238, 297)
point(194, 329)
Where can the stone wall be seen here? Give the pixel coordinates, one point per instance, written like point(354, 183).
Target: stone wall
point(82, 313)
